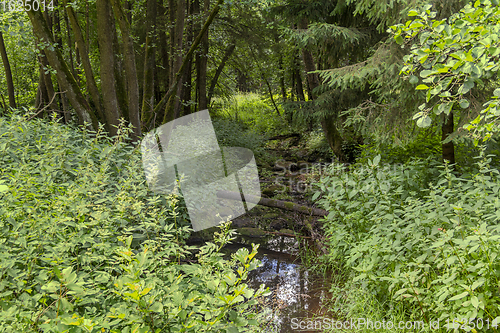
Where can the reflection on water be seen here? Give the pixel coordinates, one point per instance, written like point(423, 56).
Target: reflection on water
point(296, 293)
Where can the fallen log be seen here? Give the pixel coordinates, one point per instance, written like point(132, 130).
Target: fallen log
point(273, 203)
point(285, 136)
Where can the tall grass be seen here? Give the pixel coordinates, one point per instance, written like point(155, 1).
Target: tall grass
point(253, 110)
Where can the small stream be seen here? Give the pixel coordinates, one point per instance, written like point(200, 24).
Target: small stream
point(296, 293)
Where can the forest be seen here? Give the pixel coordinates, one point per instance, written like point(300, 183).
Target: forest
point(373, 126)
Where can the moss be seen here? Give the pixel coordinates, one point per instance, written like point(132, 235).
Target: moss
point(252, 232)
point(269, 216)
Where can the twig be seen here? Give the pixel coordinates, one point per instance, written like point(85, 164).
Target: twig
point(285, 234)
point(46, 106)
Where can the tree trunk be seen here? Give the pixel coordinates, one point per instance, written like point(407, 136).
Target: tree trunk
point(186, 83)
point(447, 127)
point(59, 41)
point(130, 70)
point(299, 88)
point(312, 78)
point(331, 133)
point(109, 89)
point(187, 88)
point(241, 81)
point(41, 92)
point(66, 79)
point(171, 14)
point(149, 60)
point(87, 26)
point(202, 67)
point(173, 88)
point(8, 73)
point(49, 92)
point(220, 68)
point(87, 68)
point(70, 44)
point(179, 34)
point(282, 78)
point(163, 81)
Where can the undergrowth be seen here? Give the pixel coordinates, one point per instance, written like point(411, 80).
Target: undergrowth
point(86, 247)
point(417, 242)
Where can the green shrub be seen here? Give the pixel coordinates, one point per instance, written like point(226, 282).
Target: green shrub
point(425, 244)
point(428, 143)
point(423, 145)
point(86, 247)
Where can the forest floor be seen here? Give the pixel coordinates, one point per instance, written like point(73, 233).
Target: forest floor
point(287, 173)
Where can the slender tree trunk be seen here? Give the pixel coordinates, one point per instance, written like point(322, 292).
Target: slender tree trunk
point(312, 78)
point(202, 67)
point(299, 88)
point(87, 68)
point(448, 148)
point(172, 9)
point(149, 60)
point(121, 83)
point(331, 133)
point(173, 87)
point(59, 41)
point(187, 88)
point(87, 25)
point(179, 33)
point(70, 44)
point(197, 28)
point(40, 91)
point(109, 90)
point(8, 73)
point(282, 78)
point(186, 83)
point(242, 81)
point(47, 79)
point(163, 79)
point(66, 79)
point(130, 70)
point(227, 54)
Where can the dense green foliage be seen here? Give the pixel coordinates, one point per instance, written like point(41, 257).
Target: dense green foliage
point(422, 240)
point(22, 55)
point(452, 56)
point(85, 246)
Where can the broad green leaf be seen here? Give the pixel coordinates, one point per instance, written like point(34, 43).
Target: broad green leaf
point(464, 103)
point(424, 122)
point(460, 296)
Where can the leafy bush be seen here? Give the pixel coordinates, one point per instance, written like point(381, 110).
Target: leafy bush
point(425, 244)
point(426, 144)
point(423, 145)
point(85, 247)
